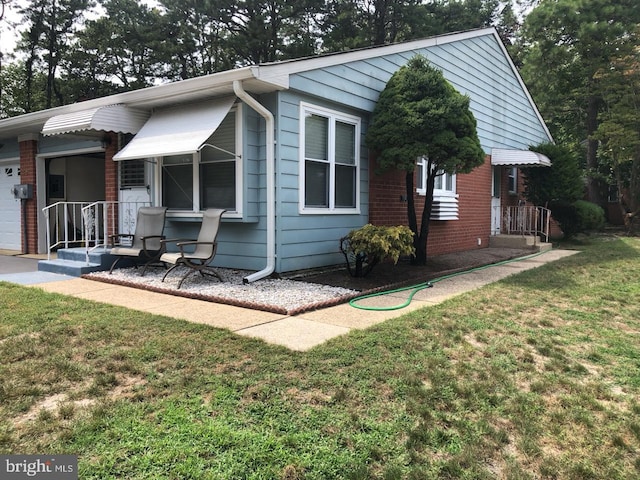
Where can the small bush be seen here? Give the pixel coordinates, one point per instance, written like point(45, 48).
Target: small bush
point(591, 215)
point(577, 217)
point(365, 247)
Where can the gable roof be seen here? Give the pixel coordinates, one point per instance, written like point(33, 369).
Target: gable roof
point(257, 79)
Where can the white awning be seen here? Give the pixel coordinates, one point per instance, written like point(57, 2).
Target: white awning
point(518, 158)
point(177, 130)
point(110, 118)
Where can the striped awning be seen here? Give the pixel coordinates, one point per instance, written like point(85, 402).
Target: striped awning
point(111, 118)
point(518, 158)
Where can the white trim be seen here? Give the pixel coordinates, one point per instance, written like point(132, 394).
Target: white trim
point(333, 116)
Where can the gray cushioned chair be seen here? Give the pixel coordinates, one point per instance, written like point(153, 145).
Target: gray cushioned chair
point(203, 249)
point(145, 243)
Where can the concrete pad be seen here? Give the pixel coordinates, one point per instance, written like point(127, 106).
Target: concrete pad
point(346, 316)
point(294, 333)
point(192, 310)
point(214, 314)
point(33, 278)
point(76, 286)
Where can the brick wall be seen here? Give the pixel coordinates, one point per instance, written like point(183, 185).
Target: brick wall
point(28, 152)
point(388, 207)
point(111, 180)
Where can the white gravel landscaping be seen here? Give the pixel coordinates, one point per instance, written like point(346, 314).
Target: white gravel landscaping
point(278, 295)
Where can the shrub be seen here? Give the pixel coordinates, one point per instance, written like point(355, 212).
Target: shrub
point(365, 247)
point(591, 215)
point(577, 217)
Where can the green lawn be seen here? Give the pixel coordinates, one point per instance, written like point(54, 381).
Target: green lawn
point(537, 376)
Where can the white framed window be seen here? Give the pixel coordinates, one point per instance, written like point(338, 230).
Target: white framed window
point(445, 183)
point(445, 198)
point(208, 178)
point(513, 180)
point(329, 161)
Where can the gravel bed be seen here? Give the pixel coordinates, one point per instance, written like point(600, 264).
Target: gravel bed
point(274, 295)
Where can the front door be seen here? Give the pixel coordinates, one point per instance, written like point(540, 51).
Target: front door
point(496, 183)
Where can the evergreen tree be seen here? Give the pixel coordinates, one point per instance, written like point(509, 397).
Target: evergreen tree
point(567, 43)
point(420, 114)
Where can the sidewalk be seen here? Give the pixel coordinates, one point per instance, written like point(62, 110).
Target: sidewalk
point(301, 332)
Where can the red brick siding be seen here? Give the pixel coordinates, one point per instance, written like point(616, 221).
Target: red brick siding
point(28, 151)
point(387, 207)
point(111, 191)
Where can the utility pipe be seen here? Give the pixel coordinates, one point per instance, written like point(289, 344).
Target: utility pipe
point(271, 195)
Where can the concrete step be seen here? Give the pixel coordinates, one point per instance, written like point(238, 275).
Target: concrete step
point(73, 262)
point(519, 241)
point(68, 267)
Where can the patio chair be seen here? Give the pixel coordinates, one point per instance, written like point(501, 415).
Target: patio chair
point(204, 248)
point(145, 243)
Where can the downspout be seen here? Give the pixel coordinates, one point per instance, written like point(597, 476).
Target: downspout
point(271, 207)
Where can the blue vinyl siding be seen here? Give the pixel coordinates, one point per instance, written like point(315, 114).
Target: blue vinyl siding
point(309, 241)
point(476, 67)
point(241, 242)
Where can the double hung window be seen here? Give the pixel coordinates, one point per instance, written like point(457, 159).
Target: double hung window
point(330, 152)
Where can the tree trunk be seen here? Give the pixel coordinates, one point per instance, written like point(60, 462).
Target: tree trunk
point(594, 183)
point(421, 235)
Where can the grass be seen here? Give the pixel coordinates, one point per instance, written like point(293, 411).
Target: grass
point(537, 376)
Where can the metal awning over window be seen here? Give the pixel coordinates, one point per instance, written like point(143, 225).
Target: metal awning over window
point(177, 130)
point(110, 118)
point(518, 158)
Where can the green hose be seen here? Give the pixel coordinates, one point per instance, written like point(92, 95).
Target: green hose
point(421, 286)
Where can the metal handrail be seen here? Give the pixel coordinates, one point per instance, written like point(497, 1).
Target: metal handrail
point(92, 223)
point(67, 224)
point(526, 220)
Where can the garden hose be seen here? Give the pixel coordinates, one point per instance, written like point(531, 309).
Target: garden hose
point(421, 286)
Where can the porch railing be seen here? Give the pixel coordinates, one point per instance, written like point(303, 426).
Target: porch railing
point(88, 224)
point(526, 220)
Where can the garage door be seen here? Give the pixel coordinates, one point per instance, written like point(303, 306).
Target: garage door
point(9, 208)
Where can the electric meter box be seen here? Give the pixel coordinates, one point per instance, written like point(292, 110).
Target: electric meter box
point(23, 191)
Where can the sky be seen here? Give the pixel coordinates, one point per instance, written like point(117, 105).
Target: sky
point(9, 34)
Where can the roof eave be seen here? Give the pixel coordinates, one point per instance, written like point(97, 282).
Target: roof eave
point(190, 90)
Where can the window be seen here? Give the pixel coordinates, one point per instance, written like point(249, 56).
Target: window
point(445, 199)
point(209, 178)
point(513, 180)
point(132, 173)
point(445, 183)
point(330, 154)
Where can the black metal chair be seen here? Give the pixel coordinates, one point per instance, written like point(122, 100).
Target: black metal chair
point(146, 244)
point(204, 248)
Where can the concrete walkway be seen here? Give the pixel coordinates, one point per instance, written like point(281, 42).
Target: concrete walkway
point(300, 332)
